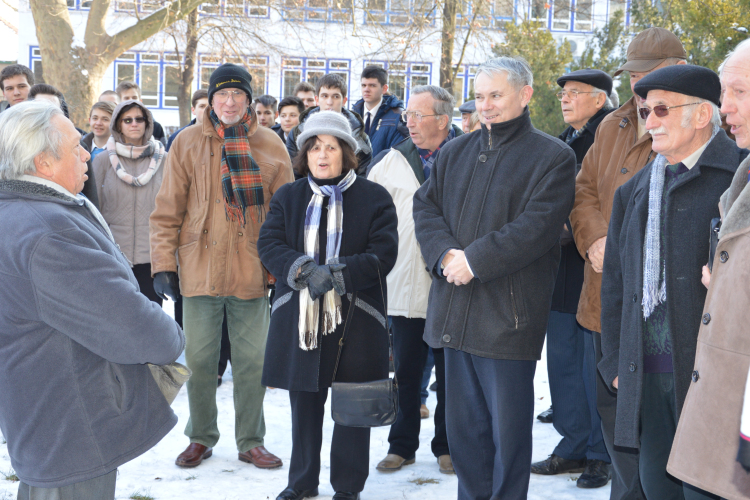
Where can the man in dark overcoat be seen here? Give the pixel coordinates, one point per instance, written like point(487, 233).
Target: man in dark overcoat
point(585, 101)
point(488, 223)
point(652, 297)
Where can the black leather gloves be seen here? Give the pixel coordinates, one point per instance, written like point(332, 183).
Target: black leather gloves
point(165, 285)
point(320, 279)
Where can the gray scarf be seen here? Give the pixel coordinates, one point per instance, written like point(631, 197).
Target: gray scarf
point(654, 274)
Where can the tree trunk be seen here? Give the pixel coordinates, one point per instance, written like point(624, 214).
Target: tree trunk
point(77, 69)
point(184, 97)
point(447, 41)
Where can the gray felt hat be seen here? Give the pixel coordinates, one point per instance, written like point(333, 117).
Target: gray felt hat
point(327, 123)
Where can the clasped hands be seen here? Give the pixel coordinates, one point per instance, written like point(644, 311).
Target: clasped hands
point(319, 279)
point(456, 268)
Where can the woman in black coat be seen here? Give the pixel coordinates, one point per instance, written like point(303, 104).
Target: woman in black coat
point(316, 283)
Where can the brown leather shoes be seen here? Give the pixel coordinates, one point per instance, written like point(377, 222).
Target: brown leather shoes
point(193, 455)
point(261, 458)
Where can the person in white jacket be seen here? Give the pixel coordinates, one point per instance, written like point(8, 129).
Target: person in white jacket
point(402, 170)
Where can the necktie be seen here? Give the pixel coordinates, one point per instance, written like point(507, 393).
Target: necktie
point(367, 124)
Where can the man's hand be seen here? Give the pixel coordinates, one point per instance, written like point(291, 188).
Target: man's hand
point(706, 277)
point(457, 269)
point(165, 285)
point(596, 254)
point(615, 381)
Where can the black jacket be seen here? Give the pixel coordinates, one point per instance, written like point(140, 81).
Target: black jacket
point(172, 137)
point(369, 241)
point(691, 204)
point(364, 155)
point(570, 274)
point(384, 130)
point(501, 196)
point(89, 187)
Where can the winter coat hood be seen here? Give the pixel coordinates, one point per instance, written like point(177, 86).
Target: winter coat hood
point(113, 125)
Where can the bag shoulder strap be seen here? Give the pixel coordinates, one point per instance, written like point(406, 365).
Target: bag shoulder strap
point(352, 305)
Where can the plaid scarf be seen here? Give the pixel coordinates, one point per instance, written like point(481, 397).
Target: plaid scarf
point(308, 317)
point(428, 157)
point(575, 134)
point(241, 180)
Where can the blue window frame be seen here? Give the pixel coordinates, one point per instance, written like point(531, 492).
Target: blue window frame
point(398, 12)
point(463, 86)
point(404, 75)
point(79, 4)
point(307, 69)
point(316, 11)
point(617, 5)
point(238, 8)
point(257, 66)
point(491, 14)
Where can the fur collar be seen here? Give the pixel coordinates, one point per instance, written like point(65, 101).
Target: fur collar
point(735, 202)
point(35, 190)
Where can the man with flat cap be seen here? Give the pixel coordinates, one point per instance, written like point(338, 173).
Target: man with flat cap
point(585, 101)
point(621, 148)
point(467, 109)
point(652, 297)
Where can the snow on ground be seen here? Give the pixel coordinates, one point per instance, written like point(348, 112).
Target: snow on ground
point(224, 477)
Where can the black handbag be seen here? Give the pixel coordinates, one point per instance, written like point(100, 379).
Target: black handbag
point(363, 404)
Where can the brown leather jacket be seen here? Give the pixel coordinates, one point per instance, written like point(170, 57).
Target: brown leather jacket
point(616, 156)
point(216, 256)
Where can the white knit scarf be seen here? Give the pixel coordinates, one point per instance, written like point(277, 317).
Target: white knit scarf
point(308, 317)
point(152, 148)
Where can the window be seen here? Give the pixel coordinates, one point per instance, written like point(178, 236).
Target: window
point(79, 4)
point(290, 79)
point(124, 73)
point(398, 11)
point(206, 76)
point(539, 11)
point(295, 70)
point(489, 13)
point(317, 10)
point(463, 87)
point(561, 15)
point(403, 76)
point(172, 80)
point(583, 17)
point(618, 5)
point(149, 84)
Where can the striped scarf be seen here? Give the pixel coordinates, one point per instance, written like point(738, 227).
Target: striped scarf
point(152, 148)
point(308, 317)
point(241, 180)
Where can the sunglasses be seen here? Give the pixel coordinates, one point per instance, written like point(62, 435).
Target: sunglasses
point(661, 110)
point(129, 120)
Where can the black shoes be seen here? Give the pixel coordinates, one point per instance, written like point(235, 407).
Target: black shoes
point(292, 494)
point(345, 495)
point(546, 416)
point(557, 465)
point(596, 475)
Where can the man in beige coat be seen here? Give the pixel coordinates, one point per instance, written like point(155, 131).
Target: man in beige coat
point(705, 448)
point(621, 148)
point(217, 186)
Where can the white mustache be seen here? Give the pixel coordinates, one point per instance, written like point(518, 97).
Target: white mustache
point(659, 130)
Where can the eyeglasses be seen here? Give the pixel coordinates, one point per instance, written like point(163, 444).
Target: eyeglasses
point(572, 94)
point(661, 110)
point(223, 95)
point(417, 117)
point(129, 120)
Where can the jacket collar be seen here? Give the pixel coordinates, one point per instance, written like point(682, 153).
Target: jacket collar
point(209, 130)
point(389, 102)
point(500, 134)
point(720, 153)
point(36, 191)
point(735, 202)
point(411, 154)
point(591, 125)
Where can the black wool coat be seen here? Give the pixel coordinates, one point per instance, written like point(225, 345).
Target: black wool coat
point(502, 196)
point(369, 241)
point(691, 204)
point(570, 274)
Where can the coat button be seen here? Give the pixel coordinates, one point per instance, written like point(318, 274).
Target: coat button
point(446, 338)
point(624, 171)
point(483, 158)
point(696, 376)
point(212, 153)
point(632, 367)
point(217, 201)
point(214, 242)
point(706, 319)
point(635, 297)
point(724, 256)
point(240, 234)
point(205, 231)
point(213, 288)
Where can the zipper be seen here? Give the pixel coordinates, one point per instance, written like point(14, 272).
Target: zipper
point(513, 303)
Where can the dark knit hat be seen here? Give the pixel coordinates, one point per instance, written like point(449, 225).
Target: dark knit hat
point(229, 76)
point(468, 107)
point(686, 79)
point(594, 77)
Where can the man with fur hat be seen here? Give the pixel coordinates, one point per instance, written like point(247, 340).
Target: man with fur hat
point(652, 299)
point(217, 186)
point(621, 148)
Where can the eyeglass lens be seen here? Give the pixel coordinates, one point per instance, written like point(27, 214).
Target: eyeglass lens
point(129, 120)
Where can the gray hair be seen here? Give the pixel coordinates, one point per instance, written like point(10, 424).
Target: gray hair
point(608, 104)
point(516, 68)
point(742, 46)
point(444, 101)
point(26, 131)
point(715, 114)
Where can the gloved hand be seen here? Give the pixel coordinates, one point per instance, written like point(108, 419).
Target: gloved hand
point(165, 285)
point(319, 279)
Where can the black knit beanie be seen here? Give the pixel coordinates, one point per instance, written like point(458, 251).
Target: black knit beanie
point(230, 76)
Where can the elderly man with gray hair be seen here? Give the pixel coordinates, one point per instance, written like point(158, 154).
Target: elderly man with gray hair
point(77, 399)
point(488, 224)
point(401, 170)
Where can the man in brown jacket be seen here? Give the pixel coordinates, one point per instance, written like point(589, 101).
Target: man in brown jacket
point(217, 185)
point(621, 148)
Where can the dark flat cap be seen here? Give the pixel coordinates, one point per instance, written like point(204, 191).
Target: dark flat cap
point(467, 107)
point(687, 79)
point(594, 77)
